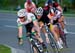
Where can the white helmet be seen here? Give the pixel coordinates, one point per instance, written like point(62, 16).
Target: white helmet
point(21, 13)
point(39, 11)
point(46, 4)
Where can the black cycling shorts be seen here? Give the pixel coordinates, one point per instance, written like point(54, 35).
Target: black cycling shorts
point(29, 27)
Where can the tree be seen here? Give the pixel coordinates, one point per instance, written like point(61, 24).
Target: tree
point(73, 3)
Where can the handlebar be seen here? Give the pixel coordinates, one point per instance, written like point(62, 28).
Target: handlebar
point(31, 36)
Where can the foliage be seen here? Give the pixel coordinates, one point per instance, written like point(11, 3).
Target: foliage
point(12, 4)
point(73, 3)
point(4, 49)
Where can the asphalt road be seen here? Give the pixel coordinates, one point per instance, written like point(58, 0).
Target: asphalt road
point(8, 34)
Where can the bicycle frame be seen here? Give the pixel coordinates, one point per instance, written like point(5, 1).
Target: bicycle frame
point(34, 43)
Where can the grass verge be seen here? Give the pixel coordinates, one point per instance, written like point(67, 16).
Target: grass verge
point(4, 49)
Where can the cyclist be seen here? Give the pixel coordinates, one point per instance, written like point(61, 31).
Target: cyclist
point(61, 20)
point(30, 6)
point(41, 15)
point(30, 22)
point(57, 6)
point(53, 16)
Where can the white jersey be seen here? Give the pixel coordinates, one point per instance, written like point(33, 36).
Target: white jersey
point(57, 14)
point(30, 18)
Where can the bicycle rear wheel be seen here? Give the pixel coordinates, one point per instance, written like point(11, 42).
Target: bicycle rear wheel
point(63, 37)
point(35, 48)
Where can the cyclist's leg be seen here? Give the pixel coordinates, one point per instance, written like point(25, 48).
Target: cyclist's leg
point(61, 21)
point(44, 31)
point(59, 41)
point(39, 38)
point(55, 31)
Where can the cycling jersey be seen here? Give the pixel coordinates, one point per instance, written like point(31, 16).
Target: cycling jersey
point(30, 17)
point(44, 17)
point(55, 13)
point(52, 11)
point(28, 22)
point(58, 14)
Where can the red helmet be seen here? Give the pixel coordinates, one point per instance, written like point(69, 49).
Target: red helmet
point(29, 1)
point(55, 4)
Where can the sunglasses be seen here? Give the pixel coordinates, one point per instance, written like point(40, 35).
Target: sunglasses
point(21, 17)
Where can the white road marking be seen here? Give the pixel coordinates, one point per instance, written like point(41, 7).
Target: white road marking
point(71, 24)
point(71, 32)
point(10, 26)
point(8, 20)
point(16, 27)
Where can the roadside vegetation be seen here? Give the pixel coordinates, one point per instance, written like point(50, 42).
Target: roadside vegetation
point(4, 49)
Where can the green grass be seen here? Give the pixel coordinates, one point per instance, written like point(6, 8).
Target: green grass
point(4, 49)
point(69, 15)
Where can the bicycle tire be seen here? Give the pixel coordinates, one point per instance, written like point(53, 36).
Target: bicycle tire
point(63, 37)
point(33, 51)
point(35, 46)
point(39, 49)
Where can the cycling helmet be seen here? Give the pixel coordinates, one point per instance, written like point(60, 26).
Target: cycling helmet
point(46, 4)
point(21, 13)
point(39, 11)
point(29, 1)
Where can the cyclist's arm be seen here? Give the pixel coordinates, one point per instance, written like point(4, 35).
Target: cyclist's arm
point(20, 30)
point(49, 16)
point(51, 13)
point(36, 24)
point(57, 14)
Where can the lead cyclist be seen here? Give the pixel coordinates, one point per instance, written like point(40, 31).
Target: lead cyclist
point(30, 22)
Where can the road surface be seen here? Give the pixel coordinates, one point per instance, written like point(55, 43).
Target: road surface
point(8, 34)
